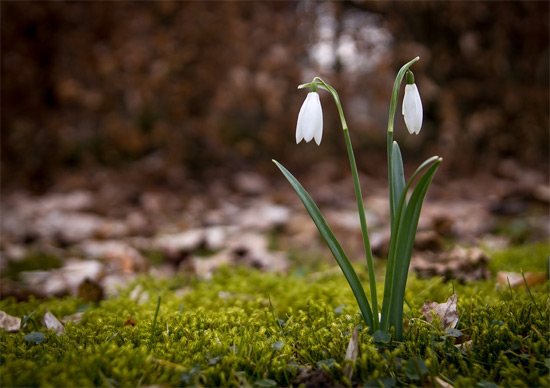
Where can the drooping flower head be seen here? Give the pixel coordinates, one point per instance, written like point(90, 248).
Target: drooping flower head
point(412, 106)
point(310, 118)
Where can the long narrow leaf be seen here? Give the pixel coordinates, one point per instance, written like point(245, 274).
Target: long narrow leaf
point(389, 279)
point(408, 224)
point(398, 176)
point(396, 188)
point(424, 164)
point(332, 244)
point(390, 291)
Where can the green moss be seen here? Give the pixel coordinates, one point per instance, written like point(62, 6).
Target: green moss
point(531, 257)
point(249, 328)
point(33, 261)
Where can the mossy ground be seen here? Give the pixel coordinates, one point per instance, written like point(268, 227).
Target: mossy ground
point(246, 328)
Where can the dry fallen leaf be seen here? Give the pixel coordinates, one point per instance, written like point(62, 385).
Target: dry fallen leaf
point(459, 264)
point(516, 280)
point(51, 322)
point(445, 311)
point(74, 318)
point(9, 323)
point(129, 322)
point(90, 291)
point(351, 353)
point(439, 383)
point(250, 249)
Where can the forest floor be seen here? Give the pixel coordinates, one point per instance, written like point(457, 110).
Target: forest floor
point(230, 284)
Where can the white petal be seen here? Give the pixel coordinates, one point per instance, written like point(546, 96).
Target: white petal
point(412, 109)
point(300, 123)
point(310, 119)
point(319, 134)
point(317, 120)
point(299, 135)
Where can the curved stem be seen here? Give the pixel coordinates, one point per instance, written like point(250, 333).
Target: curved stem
point(395, 91)
point(391, 119)
point(359, 199)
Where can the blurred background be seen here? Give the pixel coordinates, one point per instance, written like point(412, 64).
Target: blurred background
point(134, 132)
point(197, 88)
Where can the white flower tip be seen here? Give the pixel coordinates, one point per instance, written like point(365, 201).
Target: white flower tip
point(412, 109)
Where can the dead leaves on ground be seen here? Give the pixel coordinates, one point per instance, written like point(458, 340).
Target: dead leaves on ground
point(9, 323)
point(462, 264)
point(515, 279)
point(446, 312)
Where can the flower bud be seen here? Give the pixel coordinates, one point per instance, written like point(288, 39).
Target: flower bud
point(412, 106)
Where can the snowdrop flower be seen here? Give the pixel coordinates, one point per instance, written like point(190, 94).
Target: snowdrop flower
point(310, 119)
point(412, 106)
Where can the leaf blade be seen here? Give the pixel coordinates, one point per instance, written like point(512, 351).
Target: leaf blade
point(332, 243)
point(408, 224)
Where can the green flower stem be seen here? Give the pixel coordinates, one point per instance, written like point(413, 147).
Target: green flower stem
point(393, 200)
point(391, 119)
point(359, 198)
point(364, 230)
point(395, 92)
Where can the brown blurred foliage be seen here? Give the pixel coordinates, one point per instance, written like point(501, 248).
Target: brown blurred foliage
point(204, 87)
point(489, 65)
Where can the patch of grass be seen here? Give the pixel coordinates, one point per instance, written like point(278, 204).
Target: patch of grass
point(246, 328)
point(33, 261)
point(531, 257)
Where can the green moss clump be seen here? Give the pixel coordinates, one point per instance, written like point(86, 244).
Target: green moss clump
point(528, 258)
point(33, 261)
point(246, 328)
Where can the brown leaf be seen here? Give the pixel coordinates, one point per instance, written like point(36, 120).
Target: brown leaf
point(129, 322)
point(351, 353)
point(90, 291)
point(445, 311)
point(9, 323)
point(516, 280)
point(459, 263)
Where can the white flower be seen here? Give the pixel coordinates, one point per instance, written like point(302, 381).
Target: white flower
point(412, 109)
point(310, 120)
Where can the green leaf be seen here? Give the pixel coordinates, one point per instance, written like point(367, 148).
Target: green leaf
point(400, 244)
point(213, 360)
point(35, 337)
point(486, 384)
point(398, 176)
point(26, 318)
point(326, 363)
point(338, 310)
point(187, 377)
point(403, 244)
point(278, 345)
point(453, 332)
point(416, 369)
point(265, 383)
point(382, 382)
point(381, 337)
point(332, 244)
